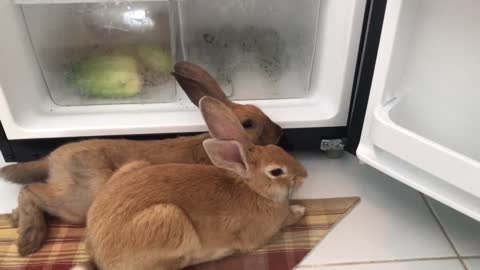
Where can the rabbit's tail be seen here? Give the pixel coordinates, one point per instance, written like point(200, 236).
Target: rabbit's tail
point(26, 172)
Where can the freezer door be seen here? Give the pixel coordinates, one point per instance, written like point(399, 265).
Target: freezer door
point(420, 126)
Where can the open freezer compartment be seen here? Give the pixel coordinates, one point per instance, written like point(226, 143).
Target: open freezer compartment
point(318, 95)
point(424, 100)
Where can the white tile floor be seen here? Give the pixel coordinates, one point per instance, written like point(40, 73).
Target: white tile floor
point(8, 193)
point(392, 227)
point(472, 263)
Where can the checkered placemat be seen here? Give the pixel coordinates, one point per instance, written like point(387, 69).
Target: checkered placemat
point(65, 248)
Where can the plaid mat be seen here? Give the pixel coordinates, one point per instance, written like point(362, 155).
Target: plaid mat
point(64, 247)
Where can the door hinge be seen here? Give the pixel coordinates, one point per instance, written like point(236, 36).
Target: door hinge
point(333, 148)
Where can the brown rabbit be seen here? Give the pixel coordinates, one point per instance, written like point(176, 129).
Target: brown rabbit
point(64, 183)
point(169, 216)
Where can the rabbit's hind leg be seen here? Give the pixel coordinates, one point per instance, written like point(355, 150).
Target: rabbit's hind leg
point(32, 227)
point(175, 237)
point(35, 199)
point(160, 237)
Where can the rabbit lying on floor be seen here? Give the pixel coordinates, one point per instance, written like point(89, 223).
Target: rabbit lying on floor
point(169, 216)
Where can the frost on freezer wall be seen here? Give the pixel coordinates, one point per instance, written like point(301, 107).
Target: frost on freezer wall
point(256, 49)
point(229, 50)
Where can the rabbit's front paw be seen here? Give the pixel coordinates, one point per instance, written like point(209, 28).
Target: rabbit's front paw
point(297, 210)
point(296, 213)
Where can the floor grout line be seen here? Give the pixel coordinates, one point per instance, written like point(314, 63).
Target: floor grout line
point(379, 262)
point(387, 261)
point(444, 231)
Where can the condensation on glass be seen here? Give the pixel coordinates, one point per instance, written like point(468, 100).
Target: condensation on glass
point(103, 52)
point(257, 49)
point(114, 51)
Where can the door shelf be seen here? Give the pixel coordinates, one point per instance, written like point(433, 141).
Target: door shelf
point(434, 158)
point(420, 180)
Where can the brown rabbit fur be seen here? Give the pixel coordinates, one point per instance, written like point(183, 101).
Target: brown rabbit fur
point(64, 183)
point(169, 216)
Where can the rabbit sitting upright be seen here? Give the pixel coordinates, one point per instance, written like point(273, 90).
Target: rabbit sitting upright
point(170, 216)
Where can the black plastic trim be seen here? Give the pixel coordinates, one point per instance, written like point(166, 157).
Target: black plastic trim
point(32, 149)
point(371, 32)
point(5, 146)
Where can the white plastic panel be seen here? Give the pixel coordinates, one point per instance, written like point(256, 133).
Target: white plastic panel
point(27, 111)
point(437, 159)
point(424, 101)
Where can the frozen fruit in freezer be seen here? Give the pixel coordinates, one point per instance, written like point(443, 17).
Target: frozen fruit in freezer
point(111, 76)
point(126, 50)
point(150, 56)
point(155, 58)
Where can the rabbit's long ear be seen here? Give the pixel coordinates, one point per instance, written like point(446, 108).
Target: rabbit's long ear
point(228, 155)
point(198, 83)
point(222, 123)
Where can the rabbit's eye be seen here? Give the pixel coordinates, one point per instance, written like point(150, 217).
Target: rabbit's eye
point(276, 172)
point(247, 123)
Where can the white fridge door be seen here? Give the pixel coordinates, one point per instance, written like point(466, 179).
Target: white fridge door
point(421, 125)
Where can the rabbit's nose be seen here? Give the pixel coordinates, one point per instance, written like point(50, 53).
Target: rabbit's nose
point(302, 172)
point(299, 179)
